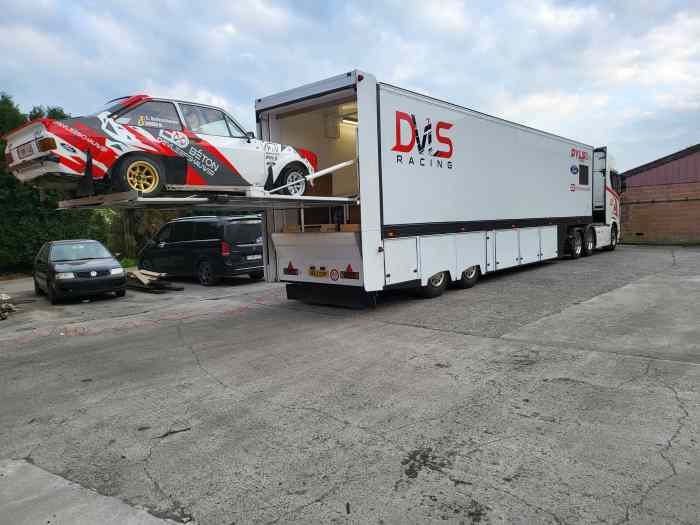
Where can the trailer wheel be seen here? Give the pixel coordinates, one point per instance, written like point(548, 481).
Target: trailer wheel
point(575, 244)
point(294, 174)
point(142, 173)
point(613, 238)
point(435, 286)
point(469, 277)
point(588, 242)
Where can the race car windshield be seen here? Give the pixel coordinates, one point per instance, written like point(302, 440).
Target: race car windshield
point(111, 106)
point(79, 251)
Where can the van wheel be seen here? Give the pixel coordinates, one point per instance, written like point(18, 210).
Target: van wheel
point(256, 276)
point(142, 173)
point(575, 244)
point(613, 239)
point(435, 286)
point(294, 174)
point(205, 274)
point(37, 288)
point(588, 242)
point(469, 277)
point(120, 293)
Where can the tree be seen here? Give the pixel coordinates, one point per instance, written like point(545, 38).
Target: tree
point(27, 222)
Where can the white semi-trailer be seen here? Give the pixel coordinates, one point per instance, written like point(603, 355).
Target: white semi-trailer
point(441, 193)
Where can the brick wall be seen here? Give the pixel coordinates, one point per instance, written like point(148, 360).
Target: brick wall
point(667, 213)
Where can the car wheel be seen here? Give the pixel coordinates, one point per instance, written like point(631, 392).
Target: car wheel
point(295, 174)
point(469, 277)
point(435, 285)
point(205, 274)
point(575, 244)
point(256, 276)
point(51, 294)
point(120, 293)
point(146, 264)
point(37, 288)
point(588, 242)
point(143, 174)
point(613, 238)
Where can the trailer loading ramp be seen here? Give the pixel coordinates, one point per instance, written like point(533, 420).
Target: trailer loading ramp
point(132, 200)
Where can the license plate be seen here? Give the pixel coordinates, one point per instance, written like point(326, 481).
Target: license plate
point(318, 273)
point(25, 150)
point(253, 257)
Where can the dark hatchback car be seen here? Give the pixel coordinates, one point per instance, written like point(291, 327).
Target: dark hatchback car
point(77, 268)
point(208, 248)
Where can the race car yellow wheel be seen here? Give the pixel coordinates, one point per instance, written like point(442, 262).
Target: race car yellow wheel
point(142, 173)
point(142, 176)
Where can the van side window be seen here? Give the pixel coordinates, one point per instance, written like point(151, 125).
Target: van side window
point(182, 231)
point(583, 175)
point(205, 231)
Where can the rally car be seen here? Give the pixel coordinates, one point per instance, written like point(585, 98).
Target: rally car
point(152, 145)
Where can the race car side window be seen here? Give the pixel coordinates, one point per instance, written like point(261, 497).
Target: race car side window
point(208, 121)
point(236, 131)
point(152, 114)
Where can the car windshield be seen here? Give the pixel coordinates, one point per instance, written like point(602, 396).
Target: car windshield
point(79, 251)
point(244, 232)
point(111, 106)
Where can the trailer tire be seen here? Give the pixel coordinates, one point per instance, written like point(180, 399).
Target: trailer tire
point(575, 244)
point(469, 277)
point(588, 242)
point(613, 238)
point(142, 173)
point(435, 286)
point(294, 173)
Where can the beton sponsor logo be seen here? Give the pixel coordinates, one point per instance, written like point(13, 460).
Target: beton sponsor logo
point(181, 144)
point(415, 146)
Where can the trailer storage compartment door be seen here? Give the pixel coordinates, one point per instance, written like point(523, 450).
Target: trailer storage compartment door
point(548, 242)
point(507, 251)
point(529, 245)
point(401, 260)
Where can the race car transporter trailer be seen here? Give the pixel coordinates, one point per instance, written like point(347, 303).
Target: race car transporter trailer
point(438, 193)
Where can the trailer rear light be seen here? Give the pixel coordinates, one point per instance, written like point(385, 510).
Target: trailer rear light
point(225, 249)
point(46, 144)
point(349, 273)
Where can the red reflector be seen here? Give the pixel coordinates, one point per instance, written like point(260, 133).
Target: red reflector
point(290, 270)
point(225, 249)
point(349, 274)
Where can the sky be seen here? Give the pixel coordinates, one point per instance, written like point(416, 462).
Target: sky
point(623, 73)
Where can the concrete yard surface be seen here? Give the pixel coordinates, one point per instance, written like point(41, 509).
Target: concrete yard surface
point(566, 392)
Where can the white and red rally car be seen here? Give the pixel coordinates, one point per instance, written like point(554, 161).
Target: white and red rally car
point(152, 145)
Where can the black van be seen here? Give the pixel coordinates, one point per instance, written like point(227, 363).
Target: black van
point(207, 247)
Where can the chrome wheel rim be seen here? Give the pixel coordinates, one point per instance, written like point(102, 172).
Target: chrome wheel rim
point(298, 183)
point(437, 280)
point(204, 273)
point(577, 245)
point(470, 272)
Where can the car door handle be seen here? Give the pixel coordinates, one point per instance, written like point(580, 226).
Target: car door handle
point(161, 245)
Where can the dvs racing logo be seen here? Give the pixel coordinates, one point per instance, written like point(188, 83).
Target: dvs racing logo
point(428, 152)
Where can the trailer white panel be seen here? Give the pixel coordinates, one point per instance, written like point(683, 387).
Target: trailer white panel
point(471, 251)
point(549, 246)
point(438, 253)
point(507, 249)
point(529, 245)
point(401, 260)
point(446, 164)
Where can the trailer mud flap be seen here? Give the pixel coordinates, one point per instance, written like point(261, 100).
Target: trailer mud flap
point(333, 295)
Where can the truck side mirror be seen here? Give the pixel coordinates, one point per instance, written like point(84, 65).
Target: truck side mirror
point(250, 135)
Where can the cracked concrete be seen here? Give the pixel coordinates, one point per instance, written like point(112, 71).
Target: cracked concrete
point(561, 393)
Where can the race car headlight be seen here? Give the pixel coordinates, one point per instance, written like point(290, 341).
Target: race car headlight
point(65, 275)
point(117, 271)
